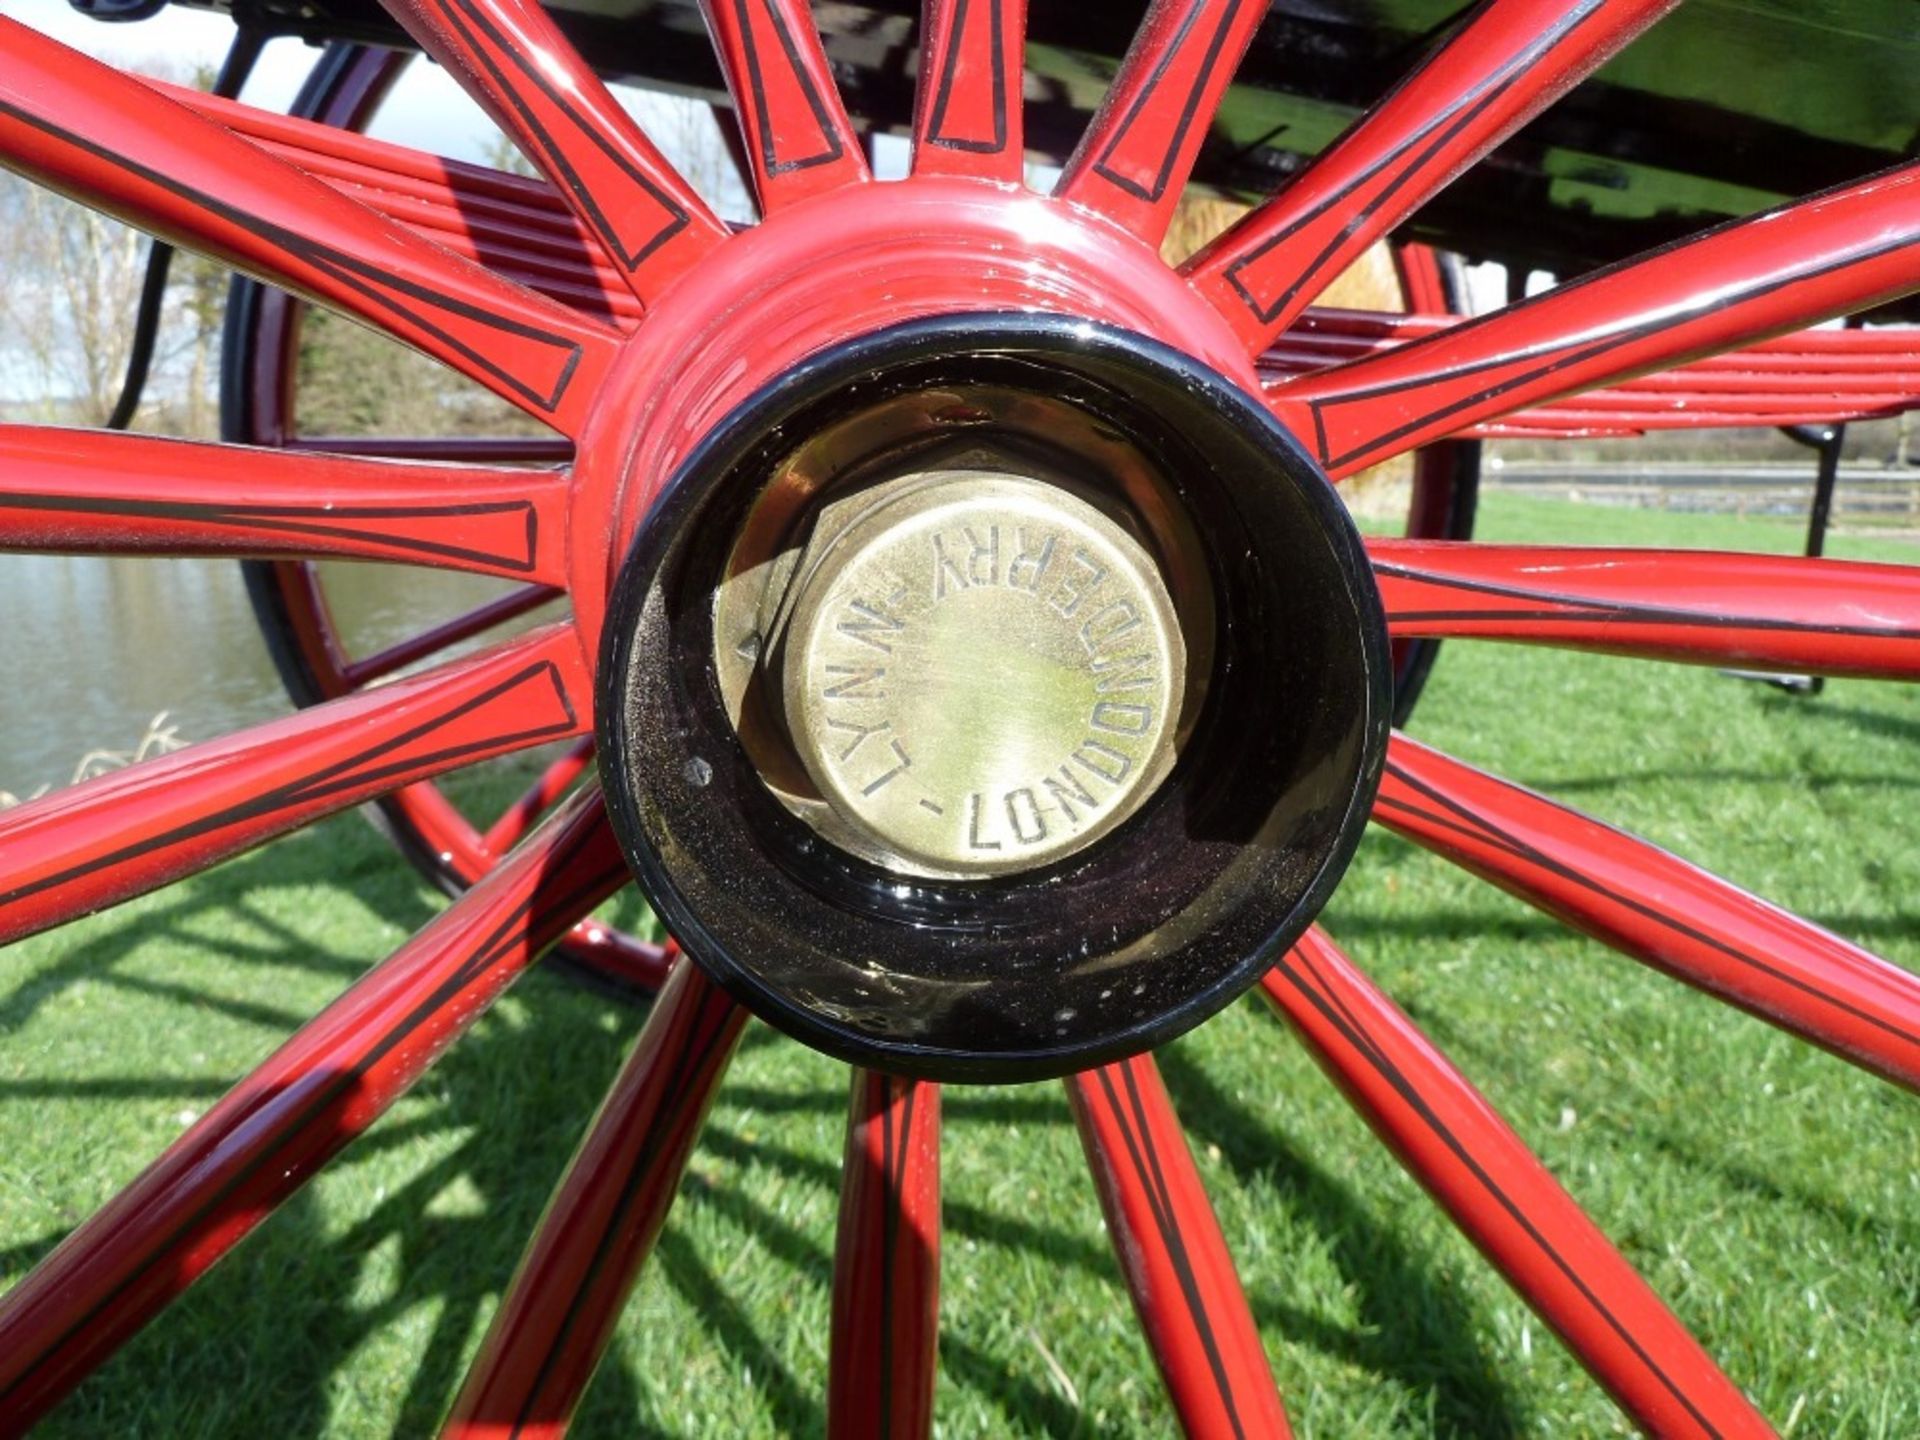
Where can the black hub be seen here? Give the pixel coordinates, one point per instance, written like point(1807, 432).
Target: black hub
point(1152, 926)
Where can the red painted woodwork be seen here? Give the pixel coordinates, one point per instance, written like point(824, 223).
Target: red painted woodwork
point(1777, 612)
point(444, 636)
point(540, 797)
point(1172, 1255)
point(560, 1310)
point(511, 57)
point(967, 118)
point(436, 835)
point(886, 1263)
point(1138, 152)
point(1657, 908)
point(274, 1129)
point(522, 229)
point(83, 491)
point(1505, 1201)
point(608, 302)
point(101, 842)
point(799, 140)
point(203, 187)
point(519, 227)
point(1768, 384)
point(1506, 63)
point(1444, 494)
point(1847, 249)
point(470, 450)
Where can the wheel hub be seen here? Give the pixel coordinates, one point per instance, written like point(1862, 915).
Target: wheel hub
point(967, 711)
point(981, 670)
point(778, 295)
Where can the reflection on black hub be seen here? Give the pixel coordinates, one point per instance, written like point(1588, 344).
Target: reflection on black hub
point(992, 697)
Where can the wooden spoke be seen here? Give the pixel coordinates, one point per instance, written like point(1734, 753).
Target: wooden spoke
point(1657, 908)
point(1136, 156)
point(281, 1124)
point(1172, 1255)
point(93, 491)
point(1769, 612)
point(560, 1310)
point(117, 144)
point(98, 843)
point(967, 111)
point(1510, 60)
point(799, 139)
point(1500, 1195)
point(1841, 251)
point(886, 1263)
point(540, 797)
point(513, 59)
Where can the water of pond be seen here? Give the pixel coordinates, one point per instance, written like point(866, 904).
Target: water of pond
point(92, 649)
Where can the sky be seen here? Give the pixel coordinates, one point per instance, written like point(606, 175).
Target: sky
point(429, 110)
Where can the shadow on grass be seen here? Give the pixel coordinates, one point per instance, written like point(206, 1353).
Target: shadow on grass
point(1777, 1189)
point(343, 858)
point(304, 1307)
point(397, 1297)
point(1416, 1328)
point(268, 1339)
point(1873, 722)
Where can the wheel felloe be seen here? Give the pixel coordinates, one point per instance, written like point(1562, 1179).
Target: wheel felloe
point(1203, 803)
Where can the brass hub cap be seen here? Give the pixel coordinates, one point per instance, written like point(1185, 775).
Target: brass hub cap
point(981, 671)
point(993, 696)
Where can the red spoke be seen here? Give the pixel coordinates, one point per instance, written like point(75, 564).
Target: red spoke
point(278, 1126)
point(1172, 1254)
point(461, 628)
point(1136, 156)
point(466, 449)
point(967, 111)
point(517, 64)
point(639, 965)
point(118, 144)
point(518, 227)
point(1457, 1146)
point(1659, 909)
point(451, 185)
point(1324, 334)
point(1511, 60)
point(98, 843)
point(544, 794)
point(1847, 249)
point(886, 1263)
point(550, 266)
point(558, 1314)
point(87, 491)
point(799, 139)
point(1785, 612)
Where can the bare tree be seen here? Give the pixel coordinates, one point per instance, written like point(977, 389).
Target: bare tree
point(67, 302)
point(70, 287)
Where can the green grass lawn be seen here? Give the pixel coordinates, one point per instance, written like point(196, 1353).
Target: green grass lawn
point(1770, 1192)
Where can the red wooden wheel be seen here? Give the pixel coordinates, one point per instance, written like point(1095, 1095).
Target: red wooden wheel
point(262, 357)
point(707, 326)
